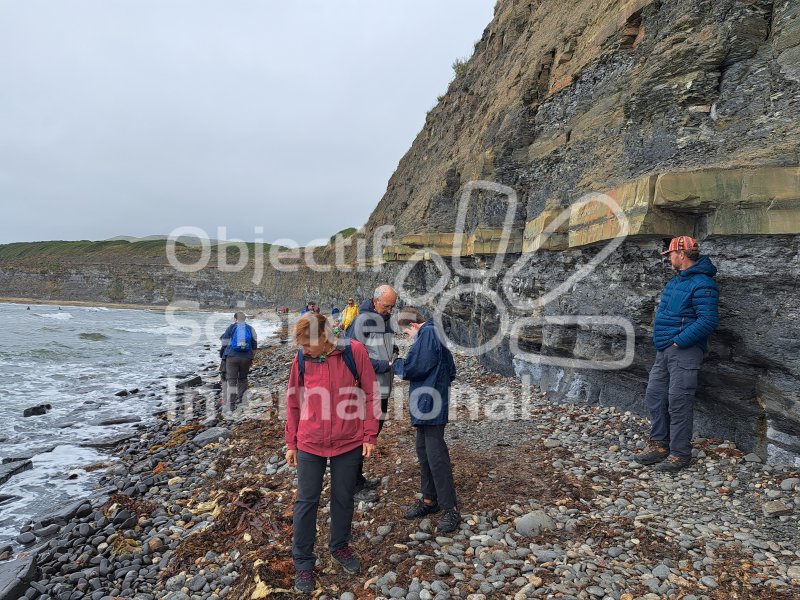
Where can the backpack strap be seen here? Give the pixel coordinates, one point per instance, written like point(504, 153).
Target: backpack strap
point(350, 361)
point(347, 355)
point(301, 363)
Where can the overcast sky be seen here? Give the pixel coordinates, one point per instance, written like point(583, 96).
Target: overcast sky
point(134, 117)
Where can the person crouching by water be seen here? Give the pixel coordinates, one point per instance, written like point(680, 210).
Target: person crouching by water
point(333, 407)
point(238, 343)
point(430, 368)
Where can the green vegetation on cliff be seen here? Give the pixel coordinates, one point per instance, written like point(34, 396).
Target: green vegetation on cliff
point(345, 233)
point(79, 248)
point(111, 251)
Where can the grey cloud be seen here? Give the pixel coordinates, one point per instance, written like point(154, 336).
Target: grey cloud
point(135, 117)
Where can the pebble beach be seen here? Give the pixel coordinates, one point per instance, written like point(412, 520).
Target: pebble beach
point(553, 507)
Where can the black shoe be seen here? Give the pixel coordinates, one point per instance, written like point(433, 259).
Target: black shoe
point(673, 463)
point(304, 582)
point(653, 453)
point(422, 510)
point(449, 521)
point(348, 559)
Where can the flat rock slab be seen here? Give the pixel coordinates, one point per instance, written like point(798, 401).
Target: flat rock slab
point(8, 470)
point(776, 508)
point(209, 436)
point(14, 578)
point(79, 508)
point(28, 455)
point(191, 382)
point(108, 442)
point(119, 421)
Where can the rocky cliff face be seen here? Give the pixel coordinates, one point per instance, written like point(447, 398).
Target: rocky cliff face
point(683, 112)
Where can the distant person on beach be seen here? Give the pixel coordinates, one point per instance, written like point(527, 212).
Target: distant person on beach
point(430, 368)
point(336, 321)
point(372, 327)
point(686, 316)
point(349, 315)
point(309, 308)
point(331, 418)
point(239, 341)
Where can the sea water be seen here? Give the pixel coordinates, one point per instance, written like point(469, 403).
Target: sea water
point(76, 359)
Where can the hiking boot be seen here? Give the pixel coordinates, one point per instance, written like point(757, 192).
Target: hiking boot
point(422, 510)
point(348, 559)
point(653, 453)
point(365, 495)
point(449, 521)
point(674, 463)
point(304, 582)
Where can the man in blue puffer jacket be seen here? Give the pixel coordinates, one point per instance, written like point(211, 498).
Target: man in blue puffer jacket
point(686, 316)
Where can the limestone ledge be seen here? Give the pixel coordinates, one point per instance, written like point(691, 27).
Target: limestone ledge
point(482, 241)
point(742, 201)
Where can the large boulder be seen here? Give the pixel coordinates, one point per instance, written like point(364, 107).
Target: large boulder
point(534, 523)
point(209, 436)
point(39, 409)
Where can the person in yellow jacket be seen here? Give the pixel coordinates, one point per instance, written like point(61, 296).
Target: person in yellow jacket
point(350, 313)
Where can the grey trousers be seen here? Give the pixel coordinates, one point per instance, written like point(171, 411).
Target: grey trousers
point(310, 473)
point(670, 397)
point(236, 371)
point(435, 467)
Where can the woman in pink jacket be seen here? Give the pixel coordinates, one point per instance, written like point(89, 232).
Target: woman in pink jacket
point(333, 407)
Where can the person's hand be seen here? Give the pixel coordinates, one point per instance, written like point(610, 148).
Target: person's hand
point(291, 458)
point(368, 450)
point(676, 345)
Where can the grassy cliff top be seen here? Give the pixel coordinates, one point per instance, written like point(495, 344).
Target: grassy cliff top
point(58, 252)
point(60, 248)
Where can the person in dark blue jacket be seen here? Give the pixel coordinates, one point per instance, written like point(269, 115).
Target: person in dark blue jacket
point(430, 368)
point(686, 316)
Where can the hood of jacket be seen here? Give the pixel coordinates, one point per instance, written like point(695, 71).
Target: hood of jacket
point(703, 266)
point(369, 307)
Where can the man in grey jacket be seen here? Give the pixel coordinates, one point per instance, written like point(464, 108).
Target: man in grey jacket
point(372, 327)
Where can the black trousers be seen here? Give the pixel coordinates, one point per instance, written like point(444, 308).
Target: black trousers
point(310, 474)
point(435, 466)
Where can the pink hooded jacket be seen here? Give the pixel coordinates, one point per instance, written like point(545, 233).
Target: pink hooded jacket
point(327, 413)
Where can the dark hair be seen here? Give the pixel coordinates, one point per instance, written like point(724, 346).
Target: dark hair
point(692, 255)
point(409, 315)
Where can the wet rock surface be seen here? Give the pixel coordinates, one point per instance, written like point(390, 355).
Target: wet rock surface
point(577, 519)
